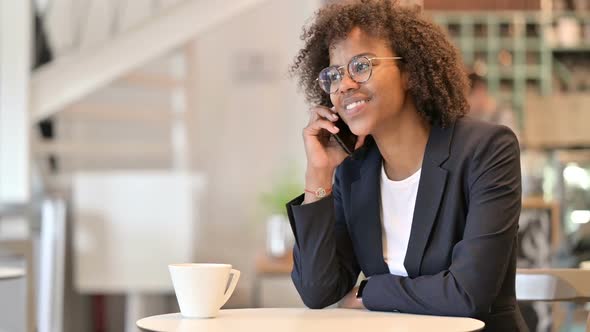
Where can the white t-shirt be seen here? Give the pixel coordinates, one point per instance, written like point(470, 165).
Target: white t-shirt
point(398, 199)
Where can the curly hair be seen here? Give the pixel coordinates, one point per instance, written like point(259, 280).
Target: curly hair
point(437, 82)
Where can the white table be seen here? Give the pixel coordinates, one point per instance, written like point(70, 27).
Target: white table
point(291, 320)
point(11, 273)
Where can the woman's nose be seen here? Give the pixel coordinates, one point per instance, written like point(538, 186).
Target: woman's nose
point(347, 84)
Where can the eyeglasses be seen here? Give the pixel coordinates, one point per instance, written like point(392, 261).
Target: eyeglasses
point(360, 69)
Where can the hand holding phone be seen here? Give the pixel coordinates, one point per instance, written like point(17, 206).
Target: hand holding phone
point(327, 138)
point(345, 138)
point(328, 141)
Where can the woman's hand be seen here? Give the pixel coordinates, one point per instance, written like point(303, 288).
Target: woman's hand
point(322, 151)
point(350, 301)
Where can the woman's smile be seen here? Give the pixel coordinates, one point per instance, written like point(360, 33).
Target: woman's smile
point(353, 106)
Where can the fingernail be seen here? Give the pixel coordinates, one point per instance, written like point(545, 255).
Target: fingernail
point(336, 128)
point(335, 116)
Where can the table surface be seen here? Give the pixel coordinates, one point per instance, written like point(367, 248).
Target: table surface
point(11, 273)
point(295, 319)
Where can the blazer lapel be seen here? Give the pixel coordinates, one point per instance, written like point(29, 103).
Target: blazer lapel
point(365, 221)
point(430, 192)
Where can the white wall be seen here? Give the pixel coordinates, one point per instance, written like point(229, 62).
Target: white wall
point(15, 29)
point(248, 128)
point(245, 129)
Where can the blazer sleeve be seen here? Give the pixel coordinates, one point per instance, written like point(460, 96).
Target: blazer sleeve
point(480, 260)
point(325, 268)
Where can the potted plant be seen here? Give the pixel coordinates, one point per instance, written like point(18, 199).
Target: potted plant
point(279, 237)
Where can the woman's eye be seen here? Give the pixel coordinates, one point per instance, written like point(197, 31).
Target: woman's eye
point(360, 66)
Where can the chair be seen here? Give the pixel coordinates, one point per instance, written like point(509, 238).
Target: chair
point(554, 285)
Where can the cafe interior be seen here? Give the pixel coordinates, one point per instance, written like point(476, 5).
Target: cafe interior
point(140, 133)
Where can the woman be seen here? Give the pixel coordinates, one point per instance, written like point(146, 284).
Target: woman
point(427, 206)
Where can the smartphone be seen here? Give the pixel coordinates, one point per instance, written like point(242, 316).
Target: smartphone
point(345, 138)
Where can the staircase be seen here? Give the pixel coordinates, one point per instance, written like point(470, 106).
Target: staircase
point(148, 56)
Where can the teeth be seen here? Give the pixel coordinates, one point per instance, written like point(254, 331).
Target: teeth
point(355, 104)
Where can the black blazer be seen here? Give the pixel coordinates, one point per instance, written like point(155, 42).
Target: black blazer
point(461, 256)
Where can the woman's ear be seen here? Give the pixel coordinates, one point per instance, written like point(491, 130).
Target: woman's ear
point(405, 80)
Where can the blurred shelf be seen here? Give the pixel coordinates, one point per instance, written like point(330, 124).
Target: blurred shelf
point(580, 48)
point(513, 48)
point(484, 44)
point(500, 16)
point(526, 72)
point(266, 265)
point(557, 121)
point(581, 15)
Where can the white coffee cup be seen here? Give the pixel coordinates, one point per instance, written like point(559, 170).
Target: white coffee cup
point(201, 288)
